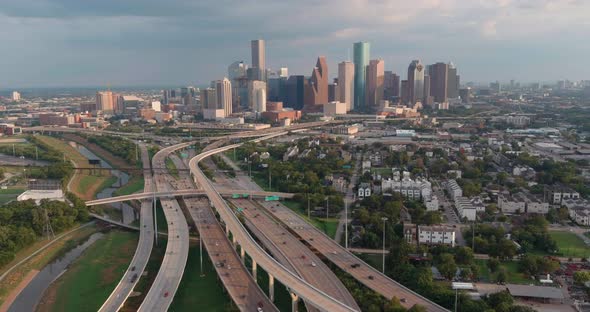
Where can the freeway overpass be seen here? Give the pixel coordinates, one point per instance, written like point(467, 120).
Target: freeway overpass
point(183, 193)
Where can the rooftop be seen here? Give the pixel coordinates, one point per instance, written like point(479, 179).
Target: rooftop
point(543, 292)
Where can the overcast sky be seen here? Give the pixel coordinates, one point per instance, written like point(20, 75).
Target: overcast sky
point(190, 42)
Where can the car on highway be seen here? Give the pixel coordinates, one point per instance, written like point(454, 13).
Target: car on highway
point(355, 265)
point(313, 264)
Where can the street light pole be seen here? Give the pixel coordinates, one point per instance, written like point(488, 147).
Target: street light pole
point(383, 268)
point(327, 208)
point(345, 224)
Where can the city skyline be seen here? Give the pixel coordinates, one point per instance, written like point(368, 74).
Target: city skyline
point(58, 44)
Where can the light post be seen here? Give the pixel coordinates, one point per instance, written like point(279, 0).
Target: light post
point(327, 208)
point(384, 219)
point(345, 223)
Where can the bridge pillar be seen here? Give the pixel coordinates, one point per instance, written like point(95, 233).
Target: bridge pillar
point(294, 302)
point(233, 238)
point(254, 268)
point(271, 288)
point(242, 253)
point(226, 230)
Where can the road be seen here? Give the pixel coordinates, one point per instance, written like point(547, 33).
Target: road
point(297, 286)
point(235, 277)
point(180, 192)
point(164, 287)
point(349, 200)
point(343, 258)
point(285, 247)
point(144, 247)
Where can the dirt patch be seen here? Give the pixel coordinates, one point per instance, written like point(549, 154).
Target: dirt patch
point(14, 293)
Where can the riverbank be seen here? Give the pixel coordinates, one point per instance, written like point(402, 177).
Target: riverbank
point(38, 261)
point(90, 279)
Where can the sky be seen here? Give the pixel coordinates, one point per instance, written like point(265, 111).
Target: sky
point(60, 43)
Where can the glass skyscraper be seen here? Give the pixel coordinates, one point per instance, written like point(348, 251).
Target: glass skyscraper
point(361, 51)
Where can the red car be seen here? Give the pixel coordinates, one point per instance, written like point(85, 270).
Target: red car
point(166, 294)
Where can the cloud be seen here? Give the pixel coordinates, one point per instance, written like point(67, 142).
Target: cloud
point(44, 39)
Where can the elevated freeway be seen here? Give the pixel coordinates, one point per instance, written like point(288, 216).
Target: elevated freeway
point(144, 247)
point(183, 193)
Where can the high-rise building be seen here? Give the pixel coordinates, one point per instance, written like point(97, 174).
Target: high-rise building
point(375, 80)
point(295, 92)
point(454, 82)
point(224, 97)
point(391, 86)
point(258, 59)
point(165, 96)
point(439, 81)
point(428, 99)
point(346, 84)
point(104, 101)
point(255, 94)
point(283, 72)
point(236, 70)
point(405, 92)
point(316, 93)
point(361, 55)
point(333, 91)
point(208, 98)
point(495, 87)
point(415, 82)
point(15, 96)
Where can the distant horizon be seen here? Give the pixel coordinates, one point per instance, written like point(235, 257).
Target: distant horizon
point(57, 43)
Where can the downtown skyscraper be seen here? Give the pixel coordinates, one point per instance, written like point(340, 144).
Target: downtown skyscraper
point(361, 55)
point(375, 80)
point(316, 90)
point(346, 84)
point(415, 84)
point(258, 59)
point(224, 96)
point(439, 81)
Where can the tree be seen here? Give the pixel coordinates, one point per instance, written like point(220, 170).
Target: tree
point(581, 277)
point(501, 301)
point(493, 264)
point(466, 274)
point(417, 308)
point(501, 276)
point(463, 255)
point(447, 265)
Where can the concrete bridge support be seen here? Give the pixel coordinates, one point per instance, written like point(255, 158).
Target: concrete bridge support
point(294, 302)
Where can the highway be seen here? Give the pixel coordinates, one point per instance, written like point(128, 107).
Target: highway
point(286, 248)
point(144, 247)
point(164, 287)
point(338, 255)
point(302, 289)
point(183, 193)
point(235, 277)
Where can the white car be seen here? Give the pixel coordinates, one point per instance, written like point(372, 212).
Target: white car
point(313, 264)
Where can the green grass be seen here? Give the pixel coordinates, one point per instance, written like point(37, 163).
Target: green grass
point(171, 168)
point(570, 245)
point(9, 194)
point(512, 274)
point(161, 218)
point(91, 278)
point(200, 293)
point(328, 226)
point(134, 185)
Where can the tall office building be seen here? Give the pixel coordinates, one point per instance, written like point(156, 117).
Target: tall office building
point(258, 59)
point(454, 82)
point(257, 94)
point(236, 70)
point(283, 72)
point(361, 54)
point(439, 81)
point(295, 92)
point(333, 94)
point(104, 101)
point(208, 98)
point(391, 86)
point(224, 97)
point(346, 84)
point(405, 92)
point(15, 96)
point(428, 99)
point(165, 96)
point(375, 79)
point(316, 93)
point(415, 82)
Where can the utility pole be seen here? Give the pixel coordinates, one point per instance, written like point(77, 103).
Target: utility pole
point(383, 268)
point(308, 207)
point(345, 224)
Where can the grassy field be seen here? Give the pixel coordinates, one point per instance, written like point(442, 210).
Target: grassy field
point(134, 185)
point(9, 194)
point(40, 260)
point(66, 149)
point(512, 274)
point(570, 245)
point(92, 277)
point(328, 226)
point(200, 293)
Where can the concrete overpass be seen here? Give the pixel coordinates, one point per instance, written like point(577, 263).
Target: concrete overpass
point(298, 287)
point(183, 193)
